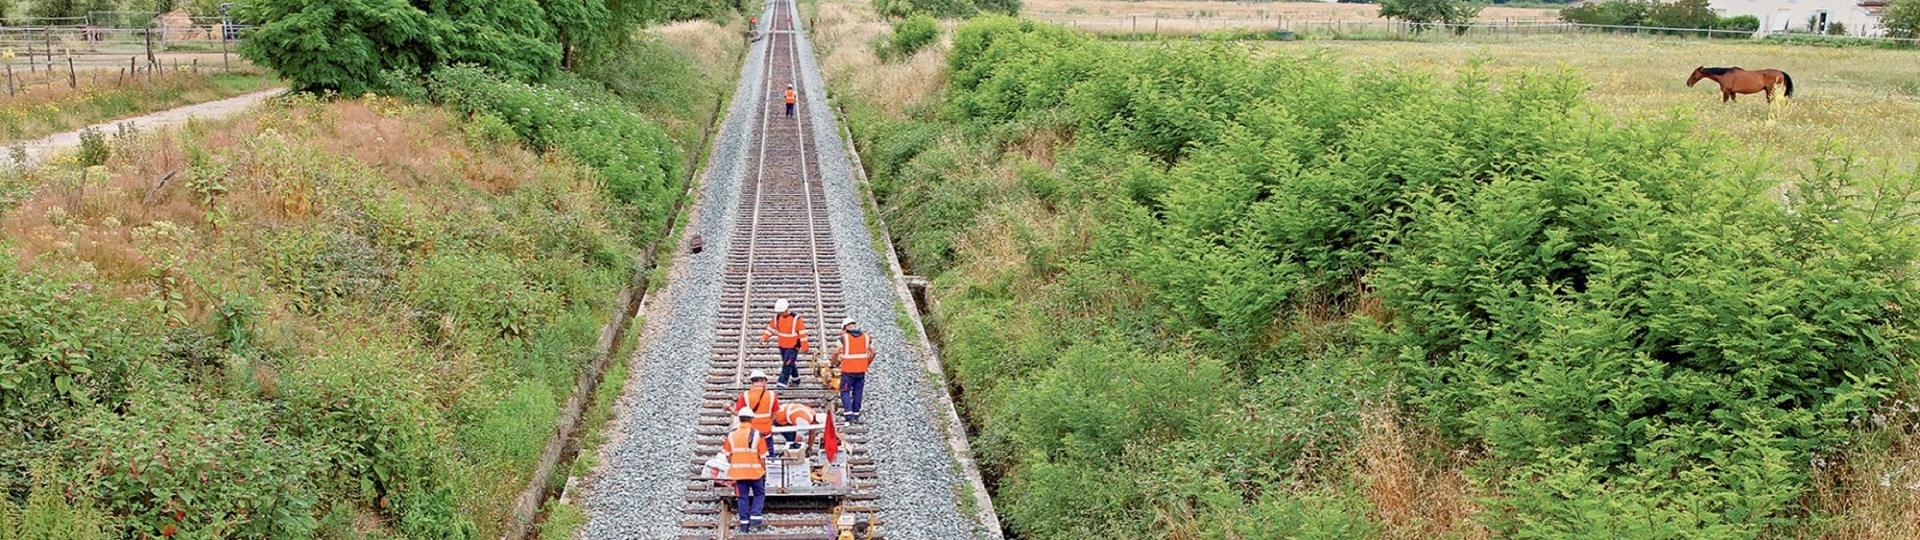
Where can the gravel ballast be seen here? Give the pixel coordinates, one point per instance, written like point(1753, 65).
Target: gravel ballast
point(636, 492)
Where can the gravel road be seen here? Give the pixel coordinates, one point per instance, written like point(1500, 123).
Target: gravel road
point(38, 150)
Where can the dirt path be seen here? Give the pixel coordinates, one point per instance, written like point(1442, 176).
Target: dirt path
point(38, 150)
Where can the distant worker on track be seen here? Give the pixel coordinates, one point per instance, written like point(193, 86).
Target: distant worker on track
point(792, 98)
point(747, 469)
point(757, 405)
point(853, 357)
point(792, 338)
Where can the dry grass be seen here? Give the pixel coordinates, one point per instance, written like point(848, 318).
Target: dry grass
point(1874, 492)
point(1412, 497)
point(1199, 14)
point(844, 34)
point(1864, 100)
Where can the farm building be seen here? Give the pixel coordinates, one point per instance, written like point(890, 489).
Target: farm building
point(1857, 17)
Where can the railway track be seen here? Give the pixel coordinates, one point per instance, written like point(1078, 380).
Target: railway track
point(783, 248)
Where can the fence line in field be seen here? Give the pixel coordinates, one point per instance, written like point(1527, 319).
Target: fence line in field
point(1155, 25)
point(48, 55)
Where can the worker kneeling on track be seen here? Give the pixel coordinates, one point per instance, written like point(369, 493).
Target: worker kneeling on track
point(798, 415)
point(747, 468)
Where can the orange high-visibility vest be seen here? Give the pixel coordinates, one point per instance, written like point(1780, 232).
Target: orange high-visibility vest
point(762, 402)
point(791, 96)
point(854, 354)
point(794, 414)
point(789, 328)
point(745, 457)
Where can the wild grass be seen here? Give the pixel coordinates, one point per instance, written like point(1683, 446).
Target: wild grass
point(45, 110)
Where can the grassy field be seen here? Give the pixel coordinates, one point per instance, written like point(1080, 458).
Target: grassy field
point(1852, 99)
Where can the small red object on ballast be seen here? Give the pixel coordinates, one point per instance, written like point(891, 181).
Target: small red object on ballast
point(698, 244)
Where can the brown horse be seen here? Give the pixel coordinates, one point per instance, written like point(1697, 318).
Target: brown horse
point(1734, 81)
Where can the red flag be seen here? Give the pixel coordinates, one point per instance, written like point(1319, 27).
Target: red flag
point(832, 442)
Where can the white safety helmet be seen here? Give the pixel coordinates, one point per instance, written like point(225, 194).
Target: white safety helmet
point(757, 375)
point(789, 85)
point(744, 413)
point(847, 323)
point(780, 306)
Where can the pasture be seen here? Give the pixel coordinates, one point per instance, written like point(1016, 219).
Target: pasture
point(1861, 100)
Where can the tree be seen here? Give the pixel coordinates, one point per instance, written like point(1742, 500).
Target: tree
point(1902, 19)
point(340, 45)
point(348, 45)
point(1455, 13)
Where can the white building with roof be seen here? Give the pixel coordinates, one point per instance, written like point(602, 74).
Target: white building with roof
point(1858, 17)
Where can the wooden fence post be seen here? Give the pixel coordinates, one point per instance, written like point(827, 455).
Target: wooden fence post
point(149, 34)
point(72, 81)
point(9, 79)
point(225, 67)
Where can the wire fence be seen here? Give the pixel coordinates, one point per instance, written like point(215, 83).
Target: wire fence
point(70, 54)
point(1283, 28)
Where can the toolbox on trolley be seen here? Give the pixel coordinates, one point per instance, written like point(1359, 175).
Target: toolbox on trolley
point(799, 471)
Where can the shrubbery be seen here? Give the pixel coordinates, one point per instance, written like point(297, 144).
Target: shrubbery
point(1625, 332)
point(945, 9)
point(909, 36)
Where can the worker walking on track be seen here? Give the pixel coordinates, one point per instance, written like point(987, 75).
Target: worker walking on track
point(852, 358)
point(791, 334)
point(746, 467)
point(792, 98)
point(759, 404)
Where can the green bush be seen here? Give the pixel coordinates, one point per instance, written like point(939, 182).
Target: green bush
point(910, 35)
point(1627, 334)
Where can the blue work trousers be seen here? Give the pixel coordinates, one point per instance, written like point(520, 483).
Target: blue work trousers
point(852, 387)
point(790, 366)
point(753, 499)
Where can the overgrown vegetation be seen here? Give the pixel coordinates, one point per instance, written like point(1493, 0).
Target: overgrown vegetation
point(1276, 293)
point(944, 9)
point(352, 47)
point(331, 320)
point(1454, 13)
point(909, 36)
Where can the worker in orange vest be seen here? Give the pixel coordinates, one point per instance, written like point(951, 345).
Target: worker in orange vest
point(852, 358)
point(762, 403)
point(796, 415)
point(747, 469)
point(791, 334)
point(791, 99)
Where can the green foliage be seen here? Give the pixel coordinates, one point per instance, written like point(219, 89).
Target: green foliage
point(1902, 19)
point(49, 515)
point(340, 45)
point(1433, 12)
point(637, 164)
point(69, 8)
point(1636, 338)
point(1653, 13)
point(199, 465)
point(909, 36)
point(93, 147)
point(944, 9)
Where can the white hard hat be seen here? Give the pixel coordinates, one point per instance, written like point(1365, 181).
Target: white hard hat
point(780, 305)
point(847, 323)
point(744, 413)
point(789, 85)
point(757, 375)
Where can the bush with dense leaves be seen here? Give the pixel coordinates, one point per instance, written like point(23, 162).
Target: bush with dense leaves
point(1637, 336)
